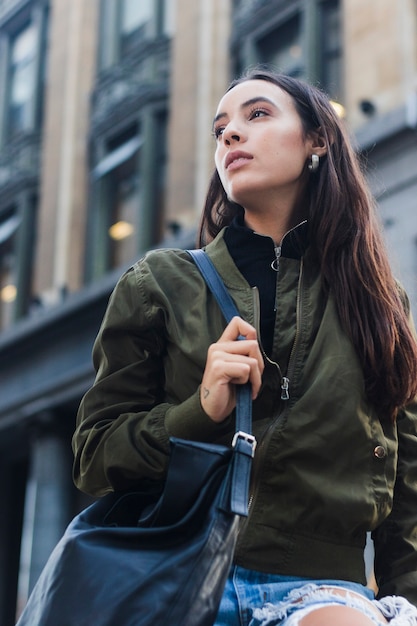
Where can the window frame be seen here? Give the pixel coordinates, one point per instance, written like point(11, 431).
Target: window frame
point(106, 167)
point(327, 52)
point(148, 147)
point(35, 14)
point(7, 217)
point(24, 209)
point(256, 25)
point(110, 45)
point(296, 14)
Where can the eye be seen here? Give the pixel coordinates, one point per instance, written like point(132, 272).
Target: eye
point(258, 112)
point(217, 132)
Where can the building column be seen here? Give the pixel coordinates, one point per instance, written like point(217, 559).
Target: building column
point(47, 507)
point(200, 73)
point(13, 472)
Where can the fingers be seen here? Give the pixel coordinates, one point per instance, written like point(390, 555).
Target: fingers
point(236, 328)
point(239, 329)
point(237, 362)
point(231, 362)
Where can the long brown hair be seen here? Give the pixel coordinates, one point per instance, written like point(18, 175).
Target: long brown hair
point(346, 237)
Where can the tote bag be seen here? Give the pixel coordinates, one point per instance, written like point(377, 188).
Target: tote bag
point(146, 558)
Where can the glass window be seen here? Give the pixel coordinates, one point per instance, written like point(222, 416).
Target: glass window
point(127, 208)
point(283, 48)
point(331, 47)
point(22, 80)
point(126, 24)
point(124, 188)
point(306, 44)
point(119, 188)
point(9, 224)
point(135, 15)
point(169, 17)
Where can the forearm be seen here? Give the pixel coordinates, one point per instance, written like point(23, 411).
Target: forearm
point(116, 449)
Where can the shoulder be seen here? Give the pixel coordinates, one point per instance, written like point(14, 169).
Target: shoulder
point(176, 262)
point(151, 272)
point(163, 269)
point(167, 270)
point(165, 278)
point(163, 258)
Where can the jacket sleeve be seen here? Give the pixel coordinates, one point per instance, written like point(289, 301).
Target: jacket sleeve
point(124, 421)
point(396, 539)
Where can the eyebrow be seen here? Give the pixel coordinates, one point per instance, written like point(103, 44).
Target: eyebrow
point(246, 104)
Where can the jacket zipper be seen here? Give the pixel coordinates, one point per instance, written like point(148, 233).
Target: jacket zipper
point(285, 381)
point(275, 262)
point(257, 325)
point(291, 360)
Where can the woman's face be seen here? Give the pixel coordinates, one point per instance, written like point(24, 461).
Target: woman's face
point(262, 151)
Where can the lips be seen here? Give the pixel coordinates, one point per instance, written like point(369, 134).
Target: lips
point(236, 155)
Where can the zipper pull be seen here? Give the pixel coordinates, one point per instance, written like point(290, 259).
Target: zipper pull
point(275, 262)
point(284, 388)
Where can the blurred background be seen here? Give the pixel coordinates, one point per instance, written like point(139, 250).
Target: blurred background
point(105, 152)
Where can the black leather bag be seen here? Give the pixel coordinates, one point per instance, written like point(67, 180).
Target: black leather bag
point(146, 559)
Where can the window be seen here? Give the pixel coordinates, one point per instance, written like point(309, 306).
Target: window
point(283, 48)
point(134, 17)
point(118, 200)
point(23, 53)
point(9, 224)
point(17, 237)
point(23, 44)
point(127, 203)
point(168, 18)
point(121, 186)
point(331, 47)
point(124, 185)
point(22, 70)
point(302, 39)
point(126, 24)
point(23, 50)
point(242, 3)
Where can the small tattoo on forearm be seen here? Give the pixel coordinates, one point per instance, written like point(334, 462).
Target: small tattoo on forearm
point(205, 392)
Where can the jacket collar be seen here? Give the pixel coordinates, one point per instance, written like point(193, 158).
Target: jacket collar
point(248, 246)
point(240, 240)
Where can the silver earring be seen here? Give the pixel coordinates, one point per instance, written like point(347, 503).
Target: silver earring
point(313, 166)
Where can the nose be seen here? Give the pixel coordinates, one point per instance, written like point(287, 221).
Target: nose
point(231, 137)
point(232, 134)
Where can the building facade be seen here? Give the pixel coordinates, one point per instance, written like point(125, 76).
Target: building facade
point(106, 151)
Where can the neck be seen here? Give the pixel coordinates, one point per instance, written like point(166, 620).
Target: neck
point(266, 227)
point(274, 218)
point(273, 224)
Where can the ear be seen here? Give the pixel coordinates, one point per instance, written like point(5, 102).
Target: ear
point(317, 143)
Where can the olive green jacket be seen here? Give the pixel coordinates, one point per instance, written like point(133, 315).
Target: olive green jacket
point(326, 468)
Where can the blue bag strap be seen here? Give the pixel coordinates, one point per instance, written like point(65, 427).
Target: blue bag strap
point(215, 283)
point(243, 442)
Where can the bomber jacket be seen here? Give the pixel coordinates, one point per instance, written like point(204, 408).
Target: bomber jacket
point(327, 467)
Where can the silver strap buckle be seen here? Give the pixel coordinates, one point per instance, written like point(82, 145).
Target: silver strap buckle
point(241, 435)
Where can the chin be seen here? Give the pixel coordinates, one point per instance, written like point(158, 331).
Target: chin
point(244, 198)
point(238, 193)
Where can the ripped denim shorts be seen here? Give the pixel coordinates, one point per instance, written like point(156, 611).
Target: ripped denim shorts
point(302, 601)
point(258, 599)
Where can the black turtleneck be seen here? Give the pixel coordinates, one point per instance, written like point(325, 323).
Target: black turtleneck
point(254, 255)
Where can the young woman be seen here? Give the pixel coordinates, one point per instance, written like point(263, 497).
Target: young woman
point(330, 352)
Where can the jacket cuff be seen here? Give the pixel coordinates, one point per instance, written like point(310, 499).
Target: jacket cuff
point(188, 420)
point(405, 586)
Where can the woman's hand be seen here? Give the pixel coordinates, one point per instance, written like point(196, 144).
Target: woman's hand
point(230, 362)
